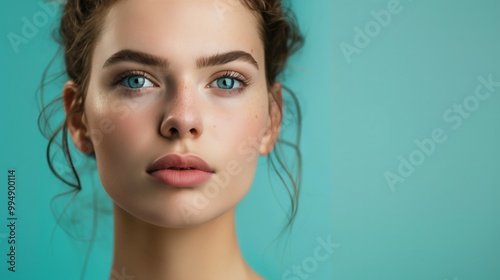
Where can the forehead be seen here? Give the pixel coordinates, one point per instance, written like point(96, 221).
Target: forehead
point(174, 27)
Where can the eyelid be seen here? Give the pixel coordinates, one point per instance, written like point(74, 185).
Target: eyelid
point(126, 74)
point(231, 74)
point(244, 82)
point(242, 79)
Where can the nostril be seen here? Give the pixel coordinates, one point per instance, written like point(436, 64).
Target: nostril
point(173, 131)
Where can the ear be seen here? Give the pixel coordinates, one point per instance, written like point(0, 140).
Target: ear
point(274, 121)
point(75, 118)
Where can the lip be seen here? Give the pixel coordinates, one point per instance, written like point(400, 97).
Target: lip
point(181, 170)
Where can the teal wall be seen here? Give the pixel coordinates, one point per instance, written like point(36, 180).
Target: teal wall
point(441, 221)
point(382, 85)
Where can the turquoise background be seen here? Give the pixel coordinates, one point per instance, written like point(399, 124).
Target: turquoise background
point(360, 117)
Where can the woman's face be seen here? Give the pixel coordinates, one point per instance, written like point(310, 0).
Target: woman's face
point(178, 78)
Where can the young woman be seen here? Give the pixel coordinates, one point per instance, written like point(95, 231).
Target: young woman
point(176, 100)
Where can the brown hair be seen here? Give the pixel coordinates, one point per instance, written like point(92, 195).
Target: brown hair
point(80, 27)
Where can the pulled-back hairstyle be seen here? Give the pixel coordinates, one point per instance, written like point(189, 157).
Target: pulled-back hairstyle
point(81, 26)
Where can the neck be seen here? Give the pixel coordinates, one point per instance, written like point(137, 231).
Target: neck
point(207, 251)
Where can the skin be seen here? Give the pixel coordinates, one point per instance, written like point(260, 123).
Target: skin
point(164, 232)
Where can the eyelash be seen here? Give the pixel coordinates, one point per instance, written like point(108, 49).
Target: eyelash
point(233, 75)
point(227, 74)
point(120, 78)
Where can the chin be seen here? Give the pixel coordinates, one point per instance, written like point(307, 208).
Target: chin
point(170, 207)
point(177, 213)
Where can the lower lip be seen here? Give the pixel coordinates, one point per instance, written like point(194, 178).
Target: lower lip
point(182, 178)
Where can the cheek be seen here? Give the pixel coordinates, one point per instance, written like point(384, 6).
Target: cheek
point(239, 142)
point(127, 139)
point(241, 134)
point(119, 135)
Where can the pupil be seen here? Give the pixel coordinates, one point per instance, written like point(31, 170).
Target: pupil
point(226, 83)
point(136, 82)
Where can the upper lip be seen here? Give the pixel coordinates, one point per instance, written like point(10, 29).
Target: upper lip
point(177, 161)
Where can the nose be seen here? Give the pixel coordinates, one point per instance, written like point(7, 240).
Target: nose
point(182, 117)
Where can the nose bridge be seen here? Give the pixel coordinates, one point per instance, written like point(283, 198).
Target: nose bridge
point(182, 116)
point(183, 100)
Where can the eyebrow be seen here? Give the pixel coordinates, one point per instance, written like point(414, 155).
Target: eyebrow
point(136, 56)
point(157, 61)
point(223, 58)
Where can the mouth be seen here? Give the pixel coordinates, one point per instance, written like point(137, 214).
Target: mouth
point(181, 170)
point(180, 162)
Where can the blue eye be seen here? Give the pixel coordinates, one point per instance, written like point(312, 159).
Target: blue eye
point(226, 83)
point(136, 82)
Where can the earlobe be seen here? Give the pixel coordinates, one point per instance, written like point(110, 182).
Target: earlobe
point(75, 118)
point(272, 132)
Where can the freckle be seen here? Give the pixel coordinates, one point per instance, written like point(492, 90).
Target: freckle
point(255, 116)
